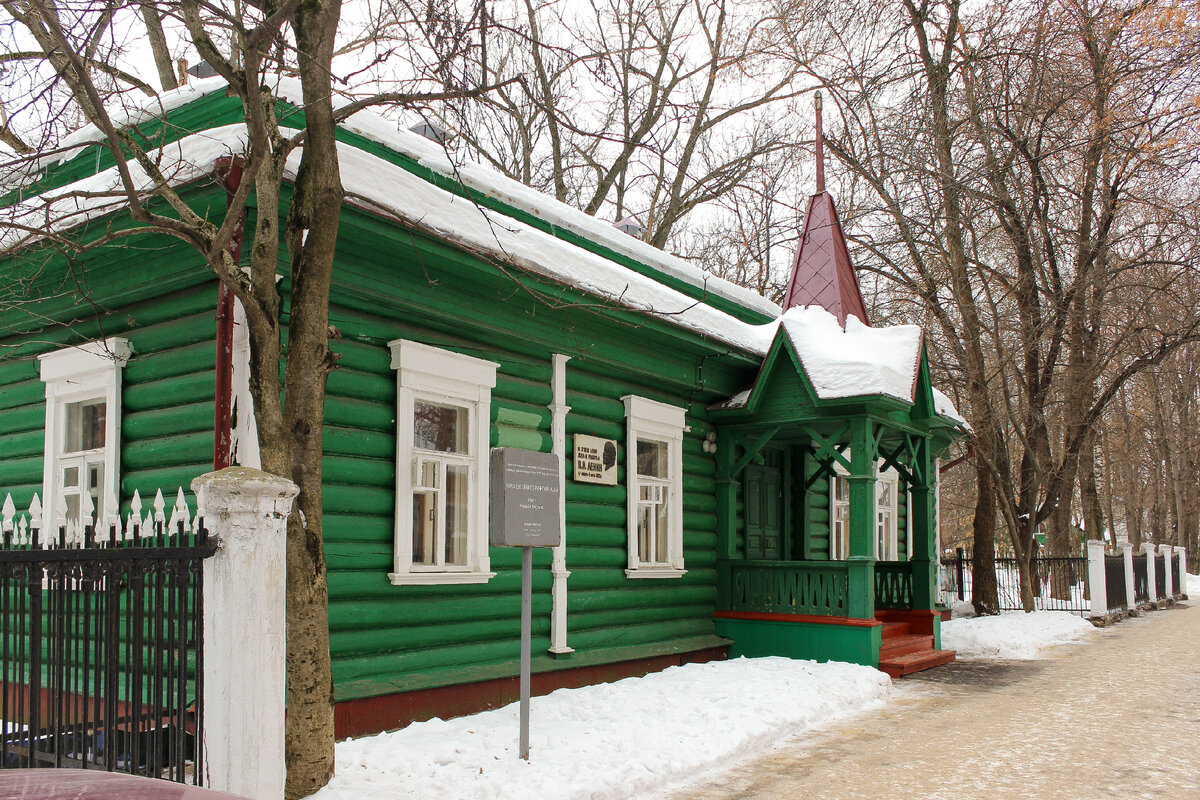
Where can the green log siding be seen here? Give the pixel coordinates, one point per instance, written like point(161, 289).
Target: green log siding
point(166, 396)
point(388, 638)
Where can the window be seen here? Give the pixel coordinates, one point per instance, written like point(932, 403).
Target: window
point(443, 421)
point(83, 423)
point(654, 483)
point(839, 536)
point(886, 536)
point(887, 488)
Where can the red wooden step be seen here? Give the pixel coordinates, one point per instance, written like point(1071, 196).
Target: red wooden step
point(893, 629)
point(909, 663)
point(903, 645)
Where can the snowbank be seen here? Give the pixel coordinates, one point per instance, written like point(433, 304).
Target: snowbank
point(1014, 635)
point(1193, 586)
point(611, 740)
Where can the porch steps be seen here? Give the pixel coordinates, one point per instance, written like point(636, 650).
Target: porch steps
point(904, 652)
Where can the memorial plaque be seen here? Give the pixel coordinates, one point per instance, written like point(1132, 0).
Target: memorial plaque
point(595, 460)
point(525, 494)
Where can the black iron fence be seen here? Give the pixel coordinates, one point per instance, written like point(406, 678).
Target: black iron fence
point(1058, 583)
point(1141, 580)
point(100, 644)
point(1114, 582)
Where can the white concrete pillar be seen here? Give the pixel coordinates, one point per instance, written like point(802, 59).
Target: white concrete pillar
point(1151, 580)
point(1097, 585)
point(245, 646)
point(1130, 589)
point(1165, 551)
point(1183, 573)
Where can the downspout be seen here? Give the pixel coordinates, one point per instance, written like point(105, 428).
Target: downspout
point(558, 565)
point(229, 173)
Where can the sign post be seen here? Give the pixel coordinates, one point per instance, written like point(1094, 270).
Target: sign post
point(525, 514)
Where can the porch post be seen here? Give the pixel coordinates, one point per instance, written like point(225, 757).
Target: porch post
point(924, 529)
point(860, 565)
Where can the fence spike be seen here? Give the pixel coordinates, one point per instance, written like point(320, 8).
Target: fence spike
point(181, 508)
point(87, 509)
point(112, 508)
point(148, 526)
point(23, 531)
point(7, 512)
point(35, 511)
point(159, 505)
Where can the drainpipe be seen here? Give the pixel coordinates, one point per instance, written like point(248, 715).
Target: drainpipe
point(558, 565)
point(229, 173)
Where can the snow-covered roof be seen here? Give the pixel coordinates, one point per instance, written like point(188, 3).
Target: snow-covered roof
point(849, 362)
point(856, 360)
point(478, 177)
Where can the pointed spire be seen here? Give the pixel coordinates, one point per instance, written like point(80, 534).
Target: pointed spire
point(822, 274)
point(820, 146)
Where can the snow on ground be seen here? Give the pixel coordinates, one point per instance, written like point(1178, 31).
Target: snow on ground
point(611, 740)
point(1193, 586)
point(1014, 635)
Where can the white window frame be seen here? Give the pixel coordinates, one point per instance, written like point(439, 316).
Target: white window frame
point(90, 371)
point(839, 550)
point(650, 420)
point(888, 478)
point(440, 376)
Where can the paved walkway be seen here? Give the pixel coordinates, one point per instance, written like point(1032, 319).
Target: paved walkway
point(1116, 718)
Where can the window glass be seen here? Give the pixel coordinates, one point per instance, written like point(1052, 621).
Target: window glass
point(442, 428)
point(652, 459)
point(84, 426)
point(457, 503)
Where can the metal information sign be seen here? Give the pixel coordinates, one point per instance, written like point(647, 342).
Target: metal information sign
point(525, 513)
point(525, 490)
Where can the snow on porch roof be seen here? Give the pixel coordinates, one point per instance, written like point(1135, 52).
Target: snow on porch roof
point(854, 361)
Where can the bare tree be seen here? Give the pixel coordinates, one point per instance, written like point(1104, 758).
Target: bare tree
point(69, 65)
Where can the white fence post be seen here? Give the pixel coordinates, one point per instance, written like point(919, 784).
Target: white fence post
point(1130, 589)
point(1097, 585)
point(244, 630)
point(1151, 579)
point(1166, 551)
point(1183, 573)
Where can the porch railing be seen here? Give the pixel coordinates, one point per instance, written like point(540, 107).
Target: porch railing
point(789, 587)
point(893, 584)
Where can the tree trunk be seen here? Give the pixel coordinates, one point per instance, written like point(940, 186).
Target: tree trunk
point(983, 559)
point(312, 227)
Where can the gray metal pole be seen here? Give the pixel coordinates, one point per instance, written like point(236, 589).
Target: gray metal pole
point(526, 648)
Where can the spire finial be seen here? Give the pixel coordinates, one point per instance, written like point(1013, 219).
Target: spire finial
point(820, 146)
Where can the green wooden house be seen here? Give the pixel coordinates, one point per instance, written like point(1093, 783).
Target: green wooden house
point(737, 480)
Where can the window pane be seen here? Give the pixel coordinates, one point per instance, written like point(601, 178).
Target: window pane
point(645, 524)
point(456, 514)
point(424, 527)
point(438, 427)
point(652, 459)
point(425, 473)
point(84, 426)
point(660, 525)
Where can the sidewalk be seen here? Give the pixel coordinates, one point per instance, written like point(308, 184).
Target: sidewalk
point(1117, 718)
